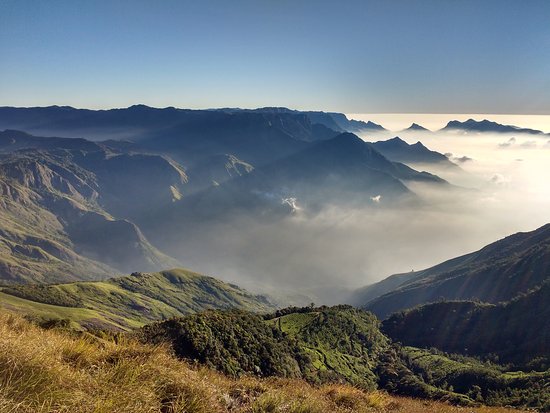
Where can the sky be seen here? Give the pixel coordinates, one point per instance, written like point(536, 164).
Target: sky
point(353, 56)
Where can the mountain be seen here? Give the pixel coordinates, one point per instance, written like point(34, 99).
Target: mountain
point(517, 331)
point(215, 170)
point(485, 125)
point(111, 206)
point(334, 121)
point(253, 136)
point(497, 272)
point(130, 301)
point(256, 136)
point(398, 150)
point(415, 127)
point(340, 122)
point(65, 209)
point(343, 167)
point(340, 171)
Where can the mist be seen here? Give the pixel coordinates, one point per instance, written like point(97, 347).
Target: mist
point(323, 255)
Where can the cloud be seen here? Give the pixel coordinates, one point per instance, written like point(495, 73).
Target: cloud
point(499, 179)
point(326, 253)
point(529, 144)
point(508, 143)
point(463, 159)
point(292, 203)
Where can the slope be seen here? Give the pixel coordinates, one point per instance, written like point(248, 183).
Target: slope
point(517, 331)
point(60, 203)
point(130, 301)
point(51, 370)
point(338, 344)
point(497, 272)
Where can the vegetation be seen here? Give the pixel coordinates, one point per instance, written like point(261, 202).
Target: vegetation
point(516, 332)
point(340, 345)
point(495, 273)
point(483, 382)
point(58, 371)
point(131, 301)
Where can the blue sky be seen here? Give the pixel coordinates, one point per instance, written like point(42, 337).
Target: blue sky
point(440, 56)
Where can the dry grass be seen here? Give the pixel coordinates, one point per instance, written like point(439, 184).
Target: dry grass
point(53, 371)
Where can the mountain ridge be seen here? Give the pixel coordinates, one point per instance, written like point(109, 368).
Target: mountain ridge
point(497, 272)
point(130, 301)
point(488, 126)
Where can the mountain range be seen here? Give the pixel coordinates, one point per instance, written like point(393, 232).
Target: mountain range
point(75, 209)
point(485, 125)
point(398, 150)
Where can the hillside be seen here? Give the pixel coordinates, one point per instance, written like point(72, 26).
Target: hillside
point(131, 301)
point(497, 272)
point(338, 344)
point(51, 370)
point(237, 342)
point(343, 171)
point(64, 213)
point(517, 331)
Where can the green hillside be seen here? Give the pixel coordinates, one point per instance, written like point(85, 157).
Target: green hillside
point(339, 345)
point(131, 301)
point(495, 273)
point(61, 218)
point(513, 332)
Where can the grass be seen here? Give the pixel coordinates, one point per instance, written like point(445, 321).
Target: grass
point(59, 371)
point(129, 302)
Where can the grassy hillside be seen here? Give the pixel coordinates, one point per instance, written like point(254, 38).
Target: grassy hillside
point(485, 382)
point(59, 212)
point(497, 272)
point(513, 332)
point(338, 345)
point(53, 371)
point(131, 301)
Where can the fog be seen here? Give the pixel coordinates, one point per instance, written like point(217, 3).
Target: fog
point(501, 188)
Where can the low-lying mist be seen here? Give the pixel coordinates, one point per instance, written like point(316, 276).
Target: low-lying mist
point(501, 188)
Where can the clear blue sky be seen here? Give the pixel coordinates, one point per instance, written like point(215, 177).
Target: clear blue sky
point(440, 56)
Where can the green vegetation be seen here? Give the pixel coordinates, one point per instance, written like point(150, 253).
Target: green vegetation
point(131, 301)
point(482, 382)
point(51, 370)
point(234, 342)
point(516, 332)
point(495, 273)
point(340, 344)
point(59, 209)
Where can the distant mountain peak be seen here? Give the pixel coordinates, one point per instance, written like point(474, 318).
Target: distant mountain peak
point(419, 144)
point(416, 127)
point(485, 125)
point(396, 149)
point(373, 125)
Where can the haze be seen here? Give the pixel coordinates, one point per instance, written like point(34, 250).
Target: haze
point(502, 189)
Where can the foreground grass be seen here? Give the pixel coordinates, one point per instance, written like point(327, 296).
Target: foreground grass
point(57, 371)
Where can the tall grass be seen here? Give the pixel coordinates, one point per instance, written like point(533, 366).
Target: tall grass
point(59, 371)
